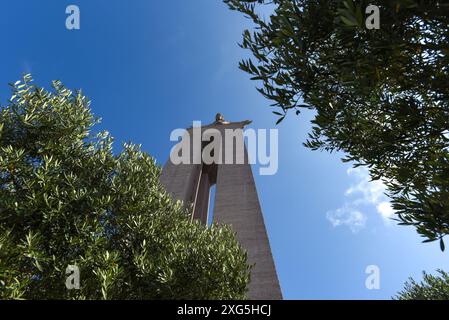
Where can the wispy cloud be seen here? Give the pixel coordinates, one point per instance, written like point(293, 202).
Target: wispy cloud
point(361, 194)
point(347, 216)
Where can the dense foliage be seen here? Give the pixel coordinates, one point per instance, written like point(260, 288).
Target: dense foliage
point(67, 199)
point(381, 96)
point(430, 288)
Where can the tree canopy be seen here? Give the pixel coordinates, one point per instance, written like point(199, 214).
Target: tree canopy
point(430, 288)
point(380, 96)
point(67, 199)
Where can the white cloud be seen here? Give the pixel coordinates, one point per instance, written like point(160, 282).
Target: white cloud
point(362, 192)
point(346, 216)
point(366, 191)
point(385, 210)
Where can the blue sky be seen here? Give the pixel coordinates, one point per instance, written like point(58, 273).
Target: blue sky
point(153, 66)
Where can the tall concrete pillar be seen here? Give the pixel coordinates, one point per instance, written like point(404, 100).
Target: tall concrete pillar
point(236, 200)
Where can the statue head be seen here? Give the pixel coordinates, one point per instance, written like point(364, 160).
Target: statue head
point(219, 118)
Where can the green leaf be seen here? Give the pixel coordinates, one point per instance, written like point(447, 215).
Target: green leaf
point(280, 120)
point(349, 22)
